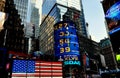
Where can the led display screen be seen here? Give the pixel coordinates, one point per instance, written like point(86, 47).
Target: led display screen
point(72, 63)
point(113, 26)
point(118, 57)
point(87, 62)
point(113, 18)
point(114, 11)
point(36, 69)
point(66, 41)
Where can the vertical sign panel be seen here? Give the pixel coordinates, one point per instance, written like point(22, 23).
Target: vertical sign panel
point(66, 41)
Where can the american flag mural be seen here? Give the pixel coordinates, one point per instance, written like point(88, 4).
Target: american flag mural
point(36, 69)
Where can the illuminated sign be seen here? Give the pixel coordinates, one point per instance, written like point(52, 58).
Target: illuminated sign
point(114, 16)
point(86, 61)
point(66, 41)
point(113, 26)
point(36, 69)
point(114, 11)
point(118, 57)
point(72, 62)
point(114, 30)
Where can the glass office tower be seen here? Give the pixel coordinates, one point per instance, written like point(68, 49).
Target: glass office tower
point(54, 11)
point(48, 5)
point(30, 12)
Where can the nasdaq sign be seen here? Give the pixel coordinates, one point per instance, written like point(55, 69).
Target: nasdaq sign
point(72, 63)
point(66, 41)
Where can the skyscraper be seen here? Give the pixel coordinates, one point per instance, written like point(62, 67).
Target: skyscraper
point(30, 12)
point(12, 33)
point(61, 6)
point(62, 24)
point(69, 3)
point(54, 11)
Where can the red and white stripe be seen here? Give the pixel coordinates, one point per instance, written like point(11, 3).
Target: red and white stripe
point(43, 69)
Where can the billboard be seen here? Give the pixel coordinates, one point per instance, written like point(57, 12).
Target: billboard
point(86, 60)
point(113, 26)
point(114, 11)
point(66, 41)
point(113, 17)
point(36, 69)
point(118, 57)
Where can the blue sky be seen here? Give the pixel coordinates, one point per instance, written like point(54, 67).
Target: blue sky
point(94, 15)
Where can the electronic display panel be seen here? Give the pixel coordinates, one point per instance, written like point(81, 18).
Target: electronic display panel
point(66, 41)
point(118, 57)
point(36, 69)
point(113, 18)
point(113, 26)
point(113, 12)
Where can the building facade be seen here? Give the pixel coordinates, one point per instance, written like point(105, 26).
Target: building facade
point(30, 14)
point(61, 7)
point(89, 50)
point(54, 12)
point(113, 21)
point(107, 51)
point(12, 36)
point(23, 10)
